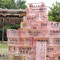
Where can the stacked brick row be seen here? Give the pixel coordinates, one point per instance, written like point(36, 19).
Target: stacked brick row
point(32, 29)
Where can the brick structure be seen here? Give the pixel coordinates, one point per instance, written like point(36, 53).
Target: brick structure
point(38, 38)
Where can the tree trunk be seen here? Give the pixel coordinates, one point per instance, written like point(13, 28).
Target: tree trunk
point(3, 31)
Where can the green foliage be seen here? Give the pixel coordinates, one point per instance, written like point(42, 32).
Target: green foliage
point(12, 26)
point(21, 4)
point(11, 4)
point(54, 13)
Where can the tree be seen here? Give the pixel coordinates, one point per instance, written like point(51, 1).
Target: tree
point(1, 3)
point(54, 13)
point(9, 4)
point(21, 4)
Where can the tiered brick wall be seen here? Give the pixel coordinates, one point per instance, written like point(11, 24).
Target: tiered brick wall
point(28, 41)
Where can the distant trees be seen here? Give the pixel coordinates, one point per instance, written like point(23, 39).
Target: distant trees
point(54, 13)
point(21, 4)
point(11, 4)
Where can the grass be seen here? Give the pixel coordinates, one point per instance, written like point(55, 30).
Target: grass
point(3, 47)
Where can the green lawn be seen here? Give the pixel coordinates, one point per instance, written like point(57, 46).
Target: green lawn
point(3, 47)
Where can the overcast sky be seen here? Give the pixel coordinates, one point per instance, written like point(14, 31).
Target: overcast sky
point(47, 2)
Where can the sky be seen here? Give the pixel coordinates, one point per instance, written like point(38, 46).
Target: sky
point(48, 3)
